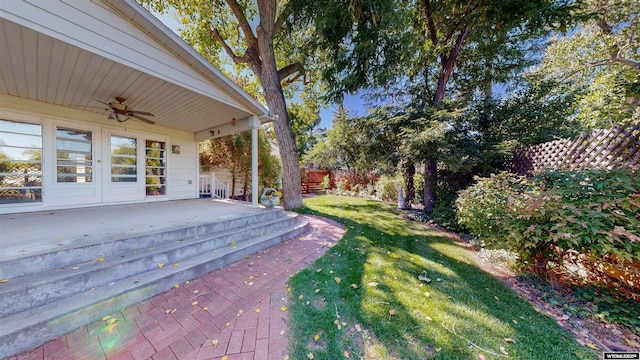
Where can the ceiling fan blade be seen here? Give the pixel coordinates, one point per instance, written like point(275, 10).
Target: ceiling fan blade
point(146, 113)
point(102, 102)
point(143, 119)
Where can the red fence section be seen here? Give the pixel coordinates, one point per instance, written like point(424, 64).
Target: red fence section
point(312, 180)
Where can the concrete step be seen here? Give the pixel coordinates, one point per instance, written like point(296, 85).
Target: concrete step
point(109, 246)
point(48, 316)
point(40, 288)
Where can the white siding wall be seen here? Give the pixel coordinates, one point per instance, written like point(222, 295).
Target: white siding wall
point(182, 168)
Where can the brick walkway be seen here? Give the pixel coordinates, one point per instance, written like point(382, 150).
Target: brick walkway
point(238, 312)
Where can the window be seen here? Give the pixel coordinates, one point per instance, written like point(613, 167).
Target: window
point(155, 167)
point(74, 156)
point(124, 162)
point(20, 162)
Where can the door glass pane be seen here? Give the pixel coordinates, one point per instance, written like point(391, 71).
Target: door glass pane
point(74, 156)
point(155, 167)
point(20, 162)
point(124, 159)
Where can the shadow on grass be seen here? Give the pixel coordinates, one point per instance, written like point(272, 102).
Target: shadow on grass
point(455, 311)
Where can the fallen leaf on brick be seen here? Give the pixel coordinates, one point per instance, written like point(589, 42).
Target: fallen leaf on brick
point(205, 309)
point(194, 303)
point(283, 308)
point(107, 317)
point(215, 342)
point(100, 259)
point(160, 265)
point(4, 281)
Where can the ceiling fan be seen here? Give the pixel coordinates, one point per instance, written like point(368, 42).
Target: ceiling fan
point(122, 112)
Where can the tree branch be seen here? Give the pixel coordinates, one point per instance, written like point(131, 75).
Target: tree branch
point(620, 60)
point(431, 26)
point(244, 24)
point(218, 38)
point(289, 70)
point(282, 18)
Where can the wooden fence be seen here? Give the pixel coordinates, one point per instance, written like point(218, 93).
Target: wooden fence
point(600, 149)
point(312, 180)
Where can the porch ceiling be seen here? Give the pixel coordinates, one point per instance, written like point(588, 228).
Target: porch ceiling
point(38, 67)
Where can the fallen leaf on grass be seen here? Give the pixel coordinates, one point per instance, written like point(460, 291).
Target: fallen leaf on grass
point(310, 356)
point(592, 346)
point(346, 354)
point(481, 357)
point(503, 350)
point(316, 337)
point(629, 342)
point(317, 290)
point(354, 286)
point(358, 328)
point(337, 280)
point(509, 340)
point(373, 283)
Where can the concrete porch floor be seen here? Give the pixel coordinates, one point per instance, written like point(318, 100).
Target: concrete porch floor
point(26, 234)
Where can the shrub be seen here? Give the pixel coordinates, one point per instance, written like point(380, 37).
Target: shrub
point(482, 207)
point(593, 212)
point(387, 188)
point(326, 182)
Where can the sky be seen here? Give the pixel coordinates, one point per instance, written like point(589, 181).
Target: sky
point(355, 105)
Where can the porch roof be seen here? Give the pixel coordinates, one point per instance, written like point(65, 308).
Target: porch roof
point(74, 53)
point(27, 234)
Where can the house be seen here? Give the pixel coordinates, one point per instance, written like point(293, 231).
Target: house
point(100, 103)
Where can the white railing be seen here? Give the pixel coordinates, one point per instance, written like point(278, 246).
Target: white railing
point(210, 186)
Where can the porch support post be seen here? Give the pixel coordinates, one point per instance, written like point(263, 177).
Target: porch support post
point(254, 123)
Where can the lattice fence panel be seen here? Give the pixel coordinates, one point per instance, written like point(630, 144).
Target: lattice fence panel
point(601, 149)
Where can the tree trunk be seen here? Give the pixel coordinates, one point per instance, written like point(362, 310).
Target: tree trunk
point(409, 172)
point(430, 173)
point(291, 186)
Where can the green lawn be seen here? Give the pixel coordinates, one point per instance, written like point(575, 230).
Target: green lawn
point(364, 298)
